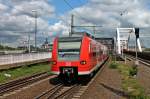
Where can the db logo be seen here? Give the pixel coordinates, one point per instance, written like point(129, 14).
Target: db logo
point(68, 63)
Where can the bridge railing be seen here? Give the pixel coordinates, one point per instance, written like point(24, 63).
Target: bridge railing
point(11, 59)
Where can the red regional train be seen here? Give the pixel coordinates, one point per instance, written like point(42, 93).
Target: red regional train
point(73, 57)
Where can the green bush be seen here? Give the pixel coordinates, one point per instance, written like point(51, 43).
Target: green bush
point(130, 84)
point(113, 65)
point(133, 71)
point(140, 96)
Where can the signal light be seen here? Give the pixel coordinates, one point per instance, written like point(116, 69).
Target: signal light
point(83, 62)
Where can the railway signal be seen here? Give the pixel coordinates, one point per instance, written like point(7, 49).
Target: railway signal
point(137, 37)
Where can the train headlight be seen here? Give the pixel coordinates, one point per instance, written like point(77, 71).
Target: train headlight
point(83, 62)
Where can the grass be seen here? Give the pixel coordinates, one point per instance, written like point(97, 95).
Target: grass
point(129, 84)
point(24, 71)
point(113, 65)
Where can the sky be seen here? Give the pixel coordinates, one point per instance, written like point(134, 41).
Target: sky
point(17, 18)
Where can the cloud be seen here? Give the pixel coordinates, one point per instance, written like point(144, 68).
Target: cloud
point(3, 7)
point(43, 8)
point(17, 19)
point(112, 14)
point(59, 28)
point(17, 15)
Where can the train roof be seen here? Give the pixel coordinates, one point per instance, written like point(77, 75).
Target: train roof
point(77, 36)
point(71, 39)
point(80, 34)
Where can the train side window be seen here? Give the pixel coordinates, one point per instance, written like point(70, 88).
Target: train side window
point(90, 49)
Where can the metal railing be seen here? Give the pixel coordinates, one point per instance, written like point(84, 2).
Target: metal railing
point(18, 58)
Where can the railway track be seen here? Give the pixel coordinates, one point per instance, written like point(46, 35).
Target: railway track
point(143, 55)
point(60, 92)
point(145, 62)
point(73, 91)
point(17, 84)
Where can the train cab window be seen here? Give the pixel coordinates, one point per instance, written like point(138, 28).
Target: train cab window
point(69, 50)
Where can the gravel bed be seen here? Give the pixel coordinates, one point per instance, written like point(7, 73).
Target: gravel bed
point(106, 86)
point(143, 76)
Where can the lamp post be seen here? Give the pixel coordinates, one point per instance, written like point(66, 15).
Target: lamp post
point(29, 49)
point(35, 28)
point(28, 23)
point(72, 26)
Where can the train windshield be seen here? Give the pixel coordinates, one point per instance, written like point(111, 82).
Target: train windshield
point(69, 50)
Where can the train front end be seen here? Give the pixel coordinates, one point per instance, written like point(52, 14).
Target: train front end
point(66, 58)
